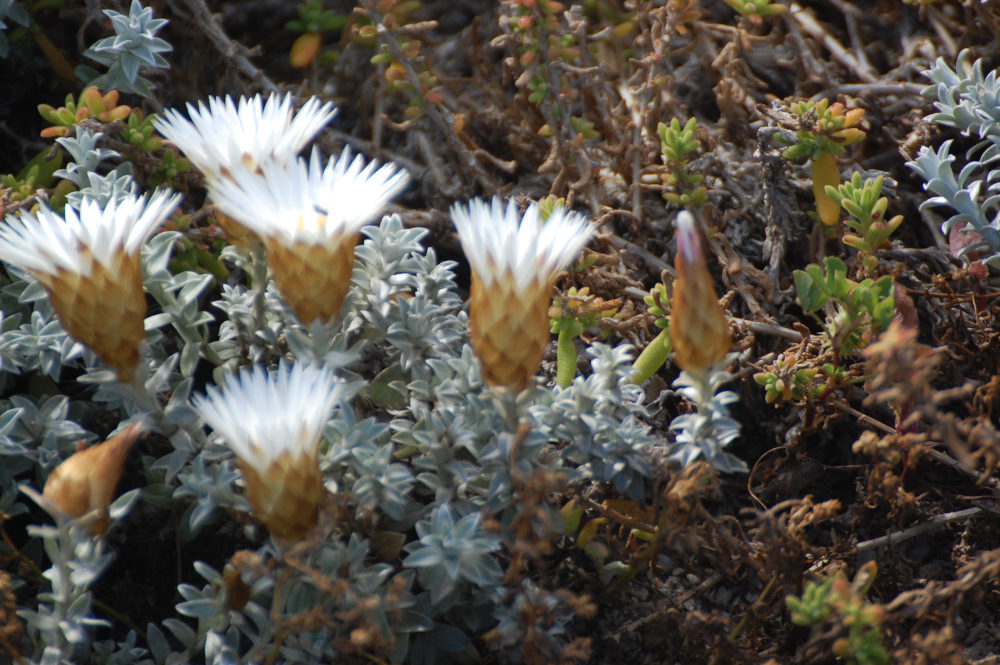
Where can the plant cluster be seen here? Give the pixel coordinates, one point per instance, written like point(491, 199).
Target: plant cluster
point(314, 20)
point(459, 369)
point(677, 144)
point(866, 210)
point(969, 101)
point(836, 599)
point(453, 446)
point(134, 46)
point(822, 131)
point(856, 313)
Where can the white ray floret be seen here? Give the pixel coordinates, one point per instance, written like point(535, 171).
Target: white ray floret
point(262, 414)
point(226, 135)
point(46, 242)
point(502, 244)
point(307, 202)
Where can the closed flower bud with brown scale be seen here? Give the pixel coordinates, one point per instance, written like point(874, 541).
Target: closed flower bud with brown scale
point(698, 328)
point(86, 480)
point(88, 262)
point(515, 259)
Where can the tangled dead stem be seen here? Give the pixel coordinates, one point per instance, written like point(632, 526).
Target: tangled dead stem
point(895, 464)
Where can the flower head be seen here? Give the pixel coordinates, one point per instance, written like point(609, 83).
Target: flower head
point(309, 202)
point(698, 328)
point(88, 261)
point(273, 421)
point(225, 136)
point(309, 217)
point(515, 259)
point(44, 242)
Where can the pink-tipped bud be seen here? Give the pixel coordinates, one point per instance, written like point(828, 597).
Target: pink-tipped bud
point(698, 328)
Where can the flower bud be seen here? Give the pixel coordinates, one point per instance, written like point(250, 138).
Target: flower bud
point(698, 327)
point(86, 480)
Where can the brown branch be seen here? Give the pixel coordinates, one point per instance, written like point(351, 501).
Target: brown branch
point(812, 27)
point(230, 49)
point(439, 116)
point(932, 524)
point(986, 566)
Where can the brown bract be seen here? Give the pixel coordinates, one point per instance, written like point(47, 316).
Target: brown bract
point(235, 233)
point(509, 330)
point(86, 480)
point(286, 496)
point(103, 309)
point(313, 279)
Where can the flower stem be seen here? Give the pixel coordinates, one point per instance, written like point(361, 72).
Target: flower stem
point(259, 279)
point(705, 394)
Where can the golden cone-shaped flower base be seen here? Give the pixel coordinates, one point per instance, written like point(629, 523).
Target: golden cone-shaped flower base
point(509, 330)
point(104, 310)
point(286, 497)
point(313, 279)
point(698, 328)
point(86, 480)
point(235, 233)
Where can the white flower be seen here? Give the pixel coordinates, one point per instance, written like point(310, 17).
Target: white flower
point(306, 203)
point(503, 245)
point(515, 259)
point(88, 263)
point(225, 136)
point(264, 415)
point(44, 242)
point(273, 422)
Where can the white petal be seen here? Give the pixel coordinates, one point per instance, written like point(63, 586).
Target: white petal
point(499, 241)
point(224, 136)
point(307, 202)
point(263, 414)
point(45, 242)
